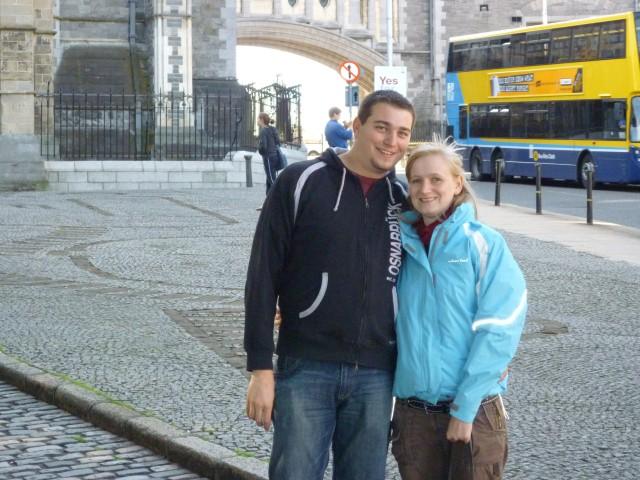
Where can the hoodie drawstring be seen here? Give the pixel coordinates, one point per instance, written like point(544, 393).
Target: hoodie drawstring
point(393, 200)
point(344, 175)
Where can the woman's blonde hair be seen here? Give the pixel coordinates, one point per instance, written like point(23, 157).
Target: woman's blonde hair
point(449, 151)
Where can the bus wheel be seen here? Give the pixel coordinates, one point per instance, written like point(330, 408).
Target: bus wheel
point(582, 170)
point(475, 165)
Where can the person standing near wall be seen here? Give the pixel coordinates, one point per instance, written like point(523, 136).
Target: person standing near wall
point(268, 144)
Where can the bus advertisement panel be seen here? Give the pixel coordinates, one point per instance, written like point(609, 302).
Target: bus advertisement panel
point(564, 95)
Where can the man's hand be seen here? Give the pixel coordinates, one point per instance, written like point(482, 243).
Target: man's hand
point(277, 320)
point(260, 396)
point(459, 431)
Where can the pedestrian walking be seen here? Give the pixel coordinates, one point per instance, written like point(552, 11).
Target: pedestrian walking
point(327, 250)
point(462, 305)
point(268, 147)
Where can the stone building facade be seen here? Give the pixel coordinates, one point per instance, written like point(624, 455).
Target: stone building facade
point(26, 54)
point(189, 46)
point(26, 35)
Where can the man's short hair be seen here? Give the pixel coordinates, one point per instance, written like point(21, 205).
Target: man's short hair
point(334, 111)
point(389, 97)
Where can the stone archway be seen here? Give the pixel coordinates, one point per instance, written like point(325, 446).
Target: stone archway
point(323, 46)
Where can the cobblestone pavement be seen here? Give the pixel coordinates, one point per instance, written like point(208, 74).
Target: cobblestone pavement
point(140, 295)
point(41, 442)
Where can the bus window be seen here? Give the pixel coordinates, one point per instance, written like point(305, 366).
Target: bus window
point(537, 48)
point(612, 40)
point(634, 131)
point(537, 120)
point(478, 56)
point(518, 52)
point(479, 121)
point(567, 119)
point(498, 56)
point(498, 121)
point(462, 116)
point(517, 120)
point(585, 42)
point(615, 115)
point(561, 45)
point(460, 56)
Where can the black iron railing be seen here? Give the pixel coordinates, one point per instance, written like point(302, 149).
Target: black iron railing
point(83, 126)
point(424, 130)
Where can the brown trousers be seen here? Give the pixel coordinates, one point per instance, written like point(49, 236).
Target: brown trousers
point(420, 445)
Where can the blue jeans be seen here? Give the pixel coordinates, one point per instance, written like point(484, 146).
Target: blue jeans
point(320, 405)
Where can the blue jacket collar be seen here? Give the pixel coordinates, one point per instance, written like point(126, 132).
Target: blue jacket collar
point(463, 213)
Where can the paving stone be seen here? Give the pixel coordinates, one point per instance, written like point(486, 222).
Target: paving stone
point(147, 306)
point(45, 461)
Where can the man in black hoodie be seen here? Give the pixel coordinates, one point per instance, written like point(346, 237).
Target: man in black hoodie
point(327, 251)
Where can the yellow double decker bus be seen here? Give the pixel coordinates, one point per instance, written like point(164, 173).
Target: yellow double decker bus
point(564, 95)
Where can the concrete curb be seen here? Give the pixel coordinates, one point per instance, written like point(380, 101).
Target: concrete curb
point(187, 450)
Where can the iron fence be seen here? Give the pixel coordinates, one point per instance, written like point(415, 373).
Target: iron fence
point(83, 126)
point(424, 130)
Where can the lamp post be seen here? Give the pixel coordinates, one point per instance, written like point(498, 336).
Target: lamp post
point(545, 18)
point(390, 33)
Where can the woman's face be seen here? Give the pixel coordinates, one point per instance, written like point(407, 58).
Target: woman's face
point(432, 186)
point(260, 123)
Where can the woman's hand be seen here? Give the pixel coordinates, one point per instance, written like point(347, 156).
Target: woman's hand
point(459, 431)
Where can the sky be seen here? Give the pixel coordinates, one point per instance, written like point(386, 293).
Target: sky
point(321, 87)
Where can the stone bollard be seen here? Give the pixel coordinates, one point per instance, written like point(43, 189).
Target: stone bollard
point(248, 170)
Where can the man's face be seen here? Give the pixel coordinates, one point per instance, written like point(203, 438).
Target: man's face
point(383, 139)
point(336, 116)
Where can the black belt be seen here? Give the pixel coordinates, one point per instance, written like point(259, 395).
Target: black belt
point(440, 407)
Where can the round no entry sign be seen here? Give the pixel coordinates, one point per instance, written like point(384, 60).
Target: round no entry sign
point(349, 71)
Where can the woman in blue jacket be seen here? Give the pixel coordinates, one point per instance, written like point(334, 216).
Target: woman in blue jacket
point(462, 304)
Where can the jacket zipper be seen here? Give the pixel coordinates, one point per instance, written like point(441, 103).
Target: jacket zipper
point(432, 251)
point(364, 283)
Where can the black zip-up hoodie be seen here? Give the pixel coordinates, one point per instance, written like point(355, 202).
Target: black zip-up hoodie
point(332, 257)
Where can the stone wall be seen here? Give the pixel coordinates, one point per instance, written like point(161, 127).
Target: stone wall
point(413, 48)
point(214, 39)
point(26, 33)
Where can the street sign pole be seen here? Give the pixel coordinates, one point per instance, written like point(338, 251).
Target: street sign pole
point(350, 72)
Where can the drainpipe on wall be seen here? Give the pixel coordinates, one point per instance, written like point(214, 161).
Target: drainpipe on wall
point(132, 43)
point(390, 33)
